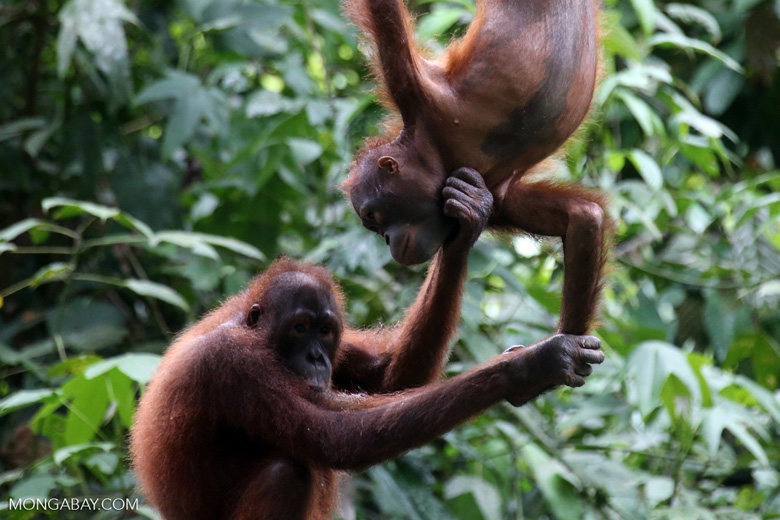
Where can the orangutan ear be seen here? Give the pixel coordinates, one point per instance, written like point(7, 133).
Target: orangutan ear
point(388, 163)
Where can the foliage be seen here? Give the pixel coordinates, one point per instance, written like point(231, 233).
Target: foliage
point(157, 154)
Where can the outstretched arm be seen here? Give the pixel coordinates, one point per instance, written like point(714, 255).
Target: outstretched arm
point(388, 24)
point(371, 429)
point(413, 353)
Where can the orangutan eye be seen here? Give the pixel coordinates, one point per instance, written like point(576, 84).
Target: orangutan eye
point(326, 329)
point(300, 327)
point(254, 315)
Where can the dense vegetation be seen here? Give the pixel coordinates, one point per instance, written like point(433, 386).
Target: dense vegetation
point(156, 155)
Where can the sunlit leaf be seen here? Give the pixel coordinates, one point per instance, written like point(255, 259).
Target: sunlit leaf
point(684, 42)
point(98, 25)
point(24, 398)
point(137, 366)
point(158, 291)
point(689, 13)
point(647, 168)
point(645, 11)
point(486, 496)
point(650, 365)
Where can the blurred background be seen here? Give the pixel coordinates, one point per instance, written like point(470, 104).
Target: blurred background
point(156, 155)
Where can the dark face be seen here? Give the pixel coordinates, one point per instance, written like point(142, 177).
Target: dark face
point(306, 322)
point(402, 205)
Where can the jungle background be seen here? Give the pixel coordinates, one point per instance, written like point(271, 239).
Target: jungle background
point(155, 155)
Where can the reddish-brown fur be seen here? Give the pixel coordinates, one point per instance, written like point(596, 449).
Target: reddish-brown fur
point(500, 100)
point(175, 408)
point(226, 431)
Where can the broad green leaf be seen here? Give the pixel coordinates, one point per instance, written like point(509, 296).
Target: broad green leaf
point(645, 11)
point(135, 224)
point(684, 42)
point(121, 391)
point(762, 395)
point(201, 243)
point(14, 230)
point(51, 273)
point(67, 452)
point(485, 494)
point(35, 486)
point(690, 13)
point(697, 218)
point(703, 124)
point(19, 127)
point(659, 489)
point(98, 24)
point(724, 417)
point(650, 365)
point(556, 483)
point(74, 207)
point(186, 240)
point(722, 90)
point(719, 320)
point(195, 106)
point(391, 497)
point(647, 118)
point(304, 150)
point(619, 41)
point(157, 290)
point(647, 168)
point(88, 404)
point(139, 367)
point(24, 398)
point(440, 20)
point(105, 463)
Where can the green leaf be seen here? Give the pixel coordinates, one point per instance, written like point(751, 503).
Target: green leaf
point(440, 20)
point(727, 417)
point(36, 486)
point(158, 291)
point(556, 483)
point(4, 247)
point(390, 496)
point(722, 90)
point(689, 13)
point(67, 452)
point(24, 398)
point(645, 11)
point(647, 168)
point(187, 240)
point(647, 118)
point(703, 124)
point(193, 104)
point(264, 103)
point(304, 151)
point(684, 42)
point(697, 218)
point(14, 230)
point(87, 408)
point(98, 25)
point(619, 41)
point(488, 499)
point(659, 489)
point(200, 242)
point(139, 367)
point(75, 207)
point(650, 365)
point(51, 273)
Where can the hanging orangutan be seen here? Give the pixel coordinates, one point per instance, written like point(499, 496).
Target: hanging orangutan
point(499, 101)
